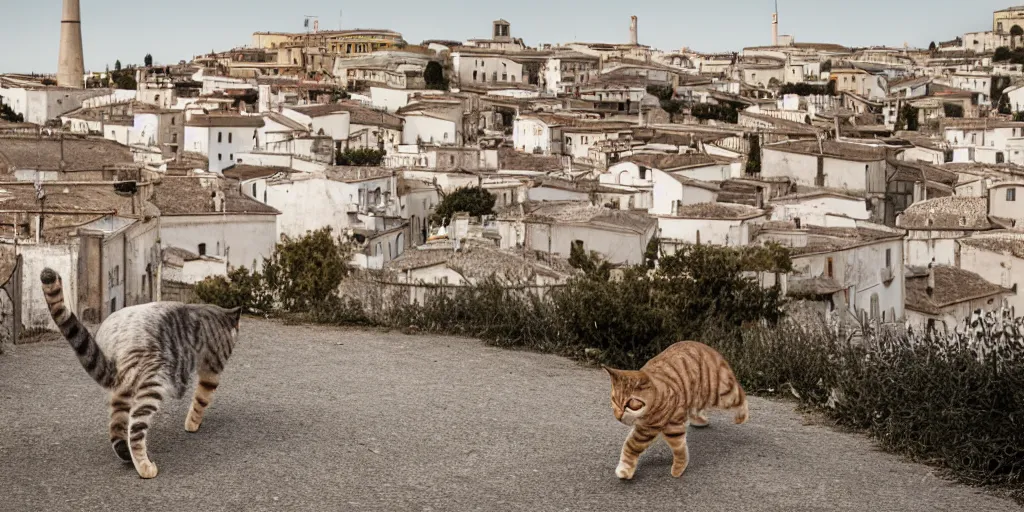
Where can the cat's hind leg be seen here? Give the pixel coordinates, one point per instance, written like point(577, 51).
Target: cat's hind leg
point(699, 419)
point(148, 397)
point(120, 405)
point(208, 382)
point(675, 437)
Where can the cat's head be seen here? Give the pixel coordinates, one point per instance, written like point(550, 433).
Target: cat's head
point(632, 395)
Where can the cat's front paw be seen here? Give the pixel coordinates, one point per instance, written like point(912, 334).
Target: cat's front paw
point(624, 472)
point(192, 425)
point(146, 469)
point(677, 471)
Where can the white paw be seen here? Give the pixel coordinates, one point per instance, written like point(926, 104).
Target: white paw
point(624, 472)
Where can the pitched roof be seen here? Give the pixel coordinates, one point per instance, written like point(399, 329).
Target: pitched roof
point(813, 288)
point(831, 148)
point(285, 121)
point(582, 212)
point(511, 159)
point(320, 110)
point(474, 260)
point(952, 286)
point(911, 171)
point(352, 174)
point(64, 198)
point(1006, 243)
point(45, 154)
point(669, 162)
point(194, 196)
point(226, 121)
point(947, 213)
point(718, 211)
point(242, 172)
point(371, 117)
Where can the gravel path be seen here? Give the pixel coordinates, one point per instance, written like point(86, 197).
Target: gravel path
point(324, 419)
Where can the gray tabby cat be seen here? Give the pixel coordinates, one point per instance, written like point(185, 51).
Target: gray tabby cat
point(144, 353)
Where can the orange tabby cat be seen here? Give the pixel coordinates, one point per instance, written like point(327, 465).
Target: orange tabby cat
point(668, 394)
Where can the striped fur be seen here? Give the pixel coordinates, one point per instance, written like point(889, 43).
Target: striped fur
point(145, 353)
point(670, 393)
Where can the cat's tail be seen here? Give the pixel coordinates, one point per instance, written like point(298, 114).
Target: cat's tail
point(95, 362)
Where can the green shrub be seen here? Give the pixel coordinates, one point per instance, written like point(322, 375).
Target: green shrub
point(307, 270)
point(474, 200)
point(363, 157)
point(241, 288)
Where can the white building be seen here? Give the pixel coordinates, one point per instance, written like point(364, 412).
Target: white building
point(997, 256)
point(721, 224)
point(209, 217)
point(934, 226)
point(222, 137)
point(857, 270)
point(331, 120)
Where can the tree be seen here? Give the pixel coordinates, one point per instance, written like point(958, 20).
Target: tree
point(932, 47)
point(8, 114)
point(953, 110)
point(826, 66)
point(306, 271)
point(117, 65)
point(360, 157)
point(907, 119)
point(434, 77)
point(592, 265)
point(1018, 117)
point(706, 111)
point(148, 60)
point(1003, 54)
point(125, 80)
point(663, 92)
point(754, 159)
point(473, 200)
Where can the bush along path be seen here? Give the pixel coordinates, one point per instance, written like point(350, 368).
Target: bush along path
point(954, 401)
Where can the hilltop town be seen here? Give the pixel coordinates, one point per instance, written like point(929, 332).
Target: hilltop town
point(892, 174)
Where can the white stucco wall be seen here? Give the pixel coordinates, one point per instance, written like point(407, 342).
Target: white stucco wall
point(245, 239)
point(729, 233)
point(922, 246)
point(1002, 269)
point(1001, 205)
point(816, 208)
point(428, 130)
point(529, 133)
point(389, 99)
point(61, 258)
point(616, 247)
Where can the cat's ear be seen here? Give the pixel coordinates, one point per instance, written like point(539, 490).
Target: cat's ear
point(612, 372)
point(235, 314)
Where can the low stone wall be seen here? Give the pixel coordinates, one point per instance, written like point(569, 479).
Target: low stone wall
point(178, 292)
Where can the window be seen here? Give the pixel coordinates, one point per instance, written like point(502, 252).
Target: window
point(829, 270)
point(232, 157)
point(174, 138)
point(888, 258)
point(643, 172)
point(202, 249)
point(474, 75)
point(230, 137)
point(218, 248)
point(113, 304)
point(220, 157)
point(254, 190)
point(220, 136)
point(172, 120)
point(1011, 194)
point(143, 285)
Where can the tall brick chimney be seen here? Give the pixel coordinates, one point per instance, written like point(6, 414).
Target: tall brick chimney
point(775, 25)
point(71, 64)
point(633, 40)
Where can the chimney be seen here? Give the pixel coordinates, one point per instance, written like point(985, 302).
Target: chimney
point(633, 40)
point(775, 25)
point(931, 278)
point(71, 63)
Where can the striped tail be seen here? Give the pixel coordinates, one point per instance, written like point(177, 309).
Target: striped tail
point(99, 367)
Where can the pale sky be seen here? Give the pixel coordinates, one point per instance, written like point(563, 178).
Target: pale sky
point(173, 31)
